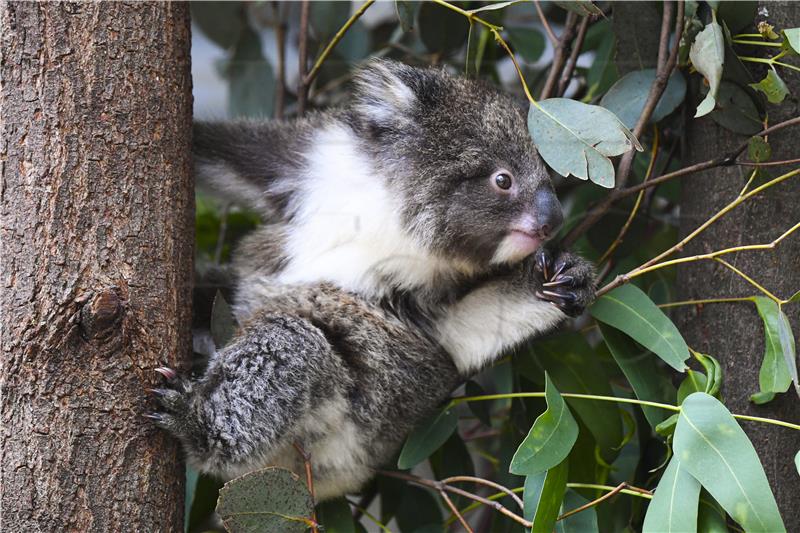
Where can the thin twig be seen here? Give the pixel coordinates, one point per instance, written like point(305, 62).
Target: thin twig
point(548, 30)
point(769, 163)
point(454, 510)
point(592, 503)
point(280, 42)
point(559, 56)
point(566, 75)
point(481, 481)
point(331, 45)
point(302, 52)
point(750, 280)
point(309, 482)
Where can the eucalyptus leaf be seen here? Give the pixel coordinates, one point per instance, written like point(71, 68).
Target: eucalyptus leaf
point(737, 14)
point(583, 522)
point(406, 13)
point(797, 461)
point(788, 347)
point(673, 508)
point(714, 450)
point(774, 375)
point(627, 97)
point(429, 435)
point(736, 110)
point(758, 150)
point(528, 42)
point(272, 500)
point(667, 427)
point(577, 139)
point(335, 516)
point(795, 297)
point(791, 39)
point(693, 382)
point(250, 78)
point(630, 310)
point(222, 22)
point(772, 86)
point(327, 17)
point(496, 5)
point(711, 517)
point(550, 439)
point(223, 324)
point(581, 7)
point(714, 373)
point(544, 493)
point(708, 55)
point(442, 31)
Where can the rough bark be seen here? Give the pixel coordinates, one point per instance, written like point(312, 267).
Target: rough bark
point(733, 333)
point(96, 220)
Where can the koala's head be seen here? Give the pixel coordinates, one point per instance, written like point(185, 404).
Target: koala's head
point(459, 154)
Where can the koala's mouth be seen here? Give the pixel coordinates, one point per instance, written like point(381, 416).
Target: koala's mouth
point(525, 241)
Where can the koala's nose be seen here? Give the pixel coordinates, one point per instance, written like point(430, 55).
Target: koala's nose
point(548, 212)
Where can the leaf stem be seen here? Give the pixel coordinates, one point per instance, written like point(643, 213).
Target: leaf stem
point(771, 61)
point(756, 43)
point(707, 301)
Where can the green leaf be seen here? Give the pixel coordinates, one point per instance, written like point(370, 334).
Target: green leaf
point(577, 139)
point(581, 7)
point(772, 86)
point(667, 427)
point(693, 382)
point(327, 17)
point(626, 98)
point(583, 522)
point(481, 410)
point(642, 372)
point(419, 511)
point(250, 78)
point(789, 348)
point(708, 55)
point(268, 500)
point(797, 461)
point(543, 495)
point(550, 439)
point(714, 450)
point(222, 22)
point(335, 516)
point(735, 110)
point(774, 375)
point(573, 366)
point(427, 437)
point(674, 505)
point(442, 31)
point(711, 517)
point(496, 5)
point(223, 324)
point(795, 297)
point(406, 13)
point(714, 373)
point(737, 14)
point(791, 39)
point(630, 310)
point(528, 42)
point(758, 150)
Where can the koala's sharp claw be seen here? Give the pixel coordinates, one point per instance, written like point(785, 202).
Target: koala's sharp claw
point(167, 372)
point(158, 392)
point(158, 417)
point(551, 294)
point(560, 282)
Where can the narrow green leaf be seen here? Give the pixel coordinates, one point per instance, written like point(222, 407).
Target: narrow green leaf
point(250, 79)
point(583, 522)
point(711, 517)
point(626, 98)
point(550, 439)
point(774, 375)
point(406, 13)
point(441, 30)
point(736, 110)
point(792, 40)
point(797, 461)
point(272, 500)
point(667, 427)
point(581, 7)
point(543, 495)
point(573, 366)
point(222, 22)
point(693, 382)
point(335, 516)
point(708, 55)
point(772, 86)
point(528, 42)
point(427, 437)
point(674, 505)
point(795, 297)
point(642, 372)
point(714, 373)
point(758, 150)
point(788, 347)
point(496, 5)
point(223, 324)
point(577, 139)
point(714, 450)
point(630, 310)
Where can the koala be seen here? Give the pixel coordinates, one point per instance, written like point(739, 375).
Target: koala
point(401, 251)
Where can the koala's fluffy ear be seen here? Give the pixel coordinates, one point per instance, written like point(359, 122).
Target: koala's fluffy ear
point(385, 92)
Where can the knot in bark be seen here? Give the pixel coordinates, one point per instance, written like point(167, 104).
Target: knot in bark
point(101, 315)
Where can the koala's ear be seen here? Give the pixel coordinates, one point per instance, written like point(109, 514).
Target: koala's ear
point(385, 91)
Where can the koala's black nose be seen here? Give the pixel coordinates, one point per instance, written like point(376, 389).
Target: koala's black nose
point(548, 212)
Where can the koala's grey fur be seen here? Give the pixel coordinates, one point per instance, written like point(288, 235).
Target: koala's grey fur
point(385, 273)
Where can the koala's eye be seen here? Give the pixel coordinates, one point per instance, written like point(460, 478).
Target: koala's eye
point(502, 180)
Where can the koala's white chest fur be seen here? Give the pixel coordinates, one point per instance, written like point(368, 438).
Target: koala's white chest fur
point(347, 229)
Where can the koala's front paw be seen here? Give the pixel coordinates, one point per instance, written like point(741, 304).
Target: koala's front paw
point(567, 280)
point(177, 415)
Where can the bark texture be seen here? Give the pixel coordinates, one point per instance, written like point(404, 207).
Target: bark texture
point(96, 221)
point(734, 333)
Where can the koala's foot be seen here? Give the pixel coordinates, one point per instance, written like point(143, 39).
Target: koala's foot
point(568, 280)
point(177, 414)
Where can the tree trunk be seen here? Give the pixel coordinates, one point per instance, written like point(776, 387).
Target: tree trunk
point(97, 230)
point(733, 332)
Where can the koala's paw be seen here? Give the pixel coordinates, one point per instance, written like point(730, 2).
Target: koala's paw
point(568, 280)
point(177, 414)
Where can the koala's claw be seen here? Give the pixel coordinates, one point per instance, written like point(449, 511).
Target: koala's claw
point(167, 372)
point(567, 281)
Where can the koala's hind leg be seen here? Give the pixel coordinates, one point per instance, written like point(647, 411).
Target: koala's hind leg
point(252, 393)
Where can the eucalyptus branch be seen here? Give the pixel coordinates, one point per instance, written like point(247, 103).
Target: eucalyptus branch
point(769, 163)
point(750, 280)
point(632, 215)
point(771, 62)
point(369, 515)
point(566, 75)
point(309, 483)
point(302, 53)
point(624, 278)
point(280, 44)
point(610, 494)
point(707, 301)
point(455, 512)
point(560, 55)
point(481, 481)
point(331, 45)
point(550, 35)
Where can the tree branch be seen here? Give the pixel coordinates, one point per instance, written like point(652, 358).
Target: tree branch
point(550, 35)
point(616, 490)
point(302, 52)
point(560, 55)
point(280, 42)
point(455, 512)
point(566, 75)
